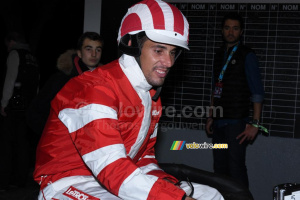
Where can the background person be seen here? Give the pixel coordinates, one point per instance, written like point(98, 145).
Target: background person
point(69, 64)
point(20, 87)
point(237, 82)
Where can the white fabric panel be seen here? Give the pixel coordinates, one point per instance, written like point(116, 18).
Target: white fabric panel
point(154, 134)
point(149, 168)
point(146, 101)
point(130, 188)
point(75, 119)
point(145, 16)
point(168, 16)
point(201, 191)
point(148, 156)
point(86, 184)
point(138, 81)
point(100, 158)
point(134, 73)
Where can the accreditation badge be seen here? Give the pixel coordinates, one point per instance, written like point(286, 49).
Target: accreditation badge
point(218, 90)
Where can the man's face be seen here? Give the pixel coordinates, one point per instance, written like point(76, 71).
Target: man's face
point(156, 60)
point(90, 52)
point(232, 31)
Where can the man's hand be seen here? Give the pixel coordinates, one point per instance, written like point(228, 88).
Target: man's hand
point(3, 113)
point(208, 125)
point(186, 198)
point(249, 133)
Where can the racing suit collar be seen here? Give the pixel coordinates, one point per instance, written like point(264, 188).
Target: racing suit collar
point(134, 73)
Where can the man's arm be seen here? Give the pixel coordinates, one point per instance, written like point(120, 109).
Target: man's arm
point(10, 78)
point(257, 95)
point(251, 131)
point(256, 110)
point(149, 164)
point(93, 127)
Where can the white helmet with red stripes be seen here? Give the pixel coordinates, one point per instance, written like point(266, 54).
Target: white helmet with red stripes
point(161, 22)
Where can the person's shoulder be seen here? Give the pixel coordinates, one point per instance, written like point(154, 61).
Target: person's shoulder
point(89, 85)
point(245, 50)
point(108, 66)
point(98, 76)
point(109, 70)
point(99, 85)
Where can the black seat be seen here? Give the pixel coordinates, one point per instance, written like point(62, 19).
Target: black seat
point(228, 187)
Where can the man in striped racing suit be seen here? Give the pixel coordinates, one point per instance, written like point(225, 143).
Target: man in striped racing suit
point(98, 142)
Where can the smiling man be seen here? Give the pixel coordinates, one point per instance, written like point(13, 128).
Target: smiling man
point(156, 61)
point(100, 135)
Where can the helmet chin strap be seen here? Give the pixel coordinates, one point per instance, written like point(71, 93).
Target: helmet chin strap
point(157, 93)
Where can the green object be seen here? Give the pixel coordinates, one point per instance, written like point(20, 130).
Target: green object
point(260, 127)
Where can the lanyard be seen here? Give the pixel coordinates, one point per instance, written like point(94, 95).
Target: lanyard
point(228, 60)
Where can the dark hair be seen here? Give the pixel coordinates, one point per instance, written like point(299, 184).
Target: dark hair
point(90, 35)
point(233, 16)
point(15, 36)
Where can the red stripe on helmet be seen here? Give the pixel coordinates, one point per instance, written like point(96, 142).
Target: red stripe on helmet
point(178, 20)
point(131, 23)
point(157, 14)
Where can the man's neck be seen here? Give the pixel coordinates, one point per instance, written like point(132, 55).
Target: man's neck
point(90, 68)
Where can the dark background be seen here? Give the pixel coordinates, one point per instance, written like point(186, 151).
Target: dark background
point(272, 30)
point(51, 27)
